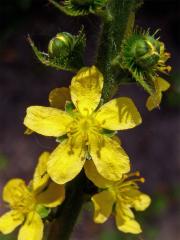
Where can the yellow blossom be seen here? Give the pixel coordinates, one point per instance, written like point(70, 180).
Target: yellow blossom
point(160, 84)
point(154, 100)
point(118, 198)
point(29, 204)
point(84, 127)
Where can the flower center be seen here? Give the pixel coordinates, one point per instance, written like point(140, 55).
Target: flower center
point(123, 188)
point(83, 126)
point(23, 201)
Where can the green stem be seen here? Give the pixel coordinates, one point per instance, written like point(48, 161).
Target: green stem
point(114, 30)
point(67, 214)
point(118, 24)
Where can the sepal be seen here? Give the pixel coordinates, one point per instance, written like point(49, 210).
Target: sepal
point(69, 107)
point(65, 51)
point(81, 7)
point(144, 56)
point(43, 211)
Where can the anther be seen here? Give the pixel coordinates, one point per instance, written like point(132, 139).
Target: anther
point(142, 180)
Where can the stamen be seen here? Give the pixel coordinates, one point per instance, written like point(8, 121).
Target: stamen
point(168, 55)
point(128, 180)
point(136, 174)
point(142, 180)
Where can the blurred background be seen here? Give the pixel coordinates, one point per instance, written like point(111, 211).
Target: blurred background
point(154, 146)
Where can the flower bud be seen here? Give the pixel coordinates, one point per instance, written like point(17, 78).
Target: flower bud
point(146, 51)
point(61, 45)
point(145, 57)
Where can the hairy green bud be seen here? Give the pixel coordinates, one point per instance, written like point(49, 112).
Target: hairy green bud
point(144, 56)
point(146, 52)
point(62, 45)
point(65, 51)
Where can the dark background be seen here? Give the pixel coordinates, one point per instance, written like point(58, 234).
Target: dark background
point(153, 147)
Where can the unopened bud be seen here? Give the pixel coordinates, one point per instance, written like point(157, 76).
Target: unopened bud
point(146, 51)
point(61, 45)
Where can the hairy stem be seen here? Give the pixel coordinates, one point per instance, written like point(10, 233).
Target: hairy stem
point(115, 28)
point(118, 24)
point(67, 214)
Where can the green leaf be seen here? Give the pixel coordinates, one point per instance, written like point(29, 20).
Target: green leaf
point(43, 211)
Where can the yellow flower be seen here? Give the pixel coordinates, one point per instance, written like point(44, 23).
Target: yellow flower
point(29, 204)
point(154, 100)
point(84, 128)
point(117, 197)
point(160, 84)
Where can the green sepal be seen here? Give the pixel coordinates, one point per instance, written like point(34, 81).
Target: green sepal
point(108, 133)
point(69, 107)
point(81, 8)
point(43, 211)
point(61, 138)
point(72, 61)
point(140, 55)
point(61, 45)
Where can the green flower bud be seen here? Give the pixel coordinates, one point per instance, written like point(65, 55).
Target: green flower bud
point(61, 45)
point(144, 56)
point(146, 51)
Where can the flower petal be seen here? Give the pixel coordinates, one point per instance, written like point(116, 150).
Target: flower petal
point(126, 223)
point(118, 114)
point(162, 84)
point(14, 191)
point(66, 161)
point(154, 101)
point(141, 202)
point(9, 221)
point(58, 97)
point(47, 121)
point(40, 178)
point(103, 203)
point(86, 89)
point(94, 176)
point(53, 196)
point(109, 157)
point(32, 228)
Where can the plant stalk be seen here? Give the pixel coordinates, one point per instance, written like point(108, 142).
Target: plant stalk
point(113, 30)
point(62, 226)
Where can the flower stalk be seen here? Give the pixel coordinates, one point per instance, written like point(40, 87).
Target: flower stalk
point(116, 25)
point(89, 162)
point(115, 28)
point(67, 214)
